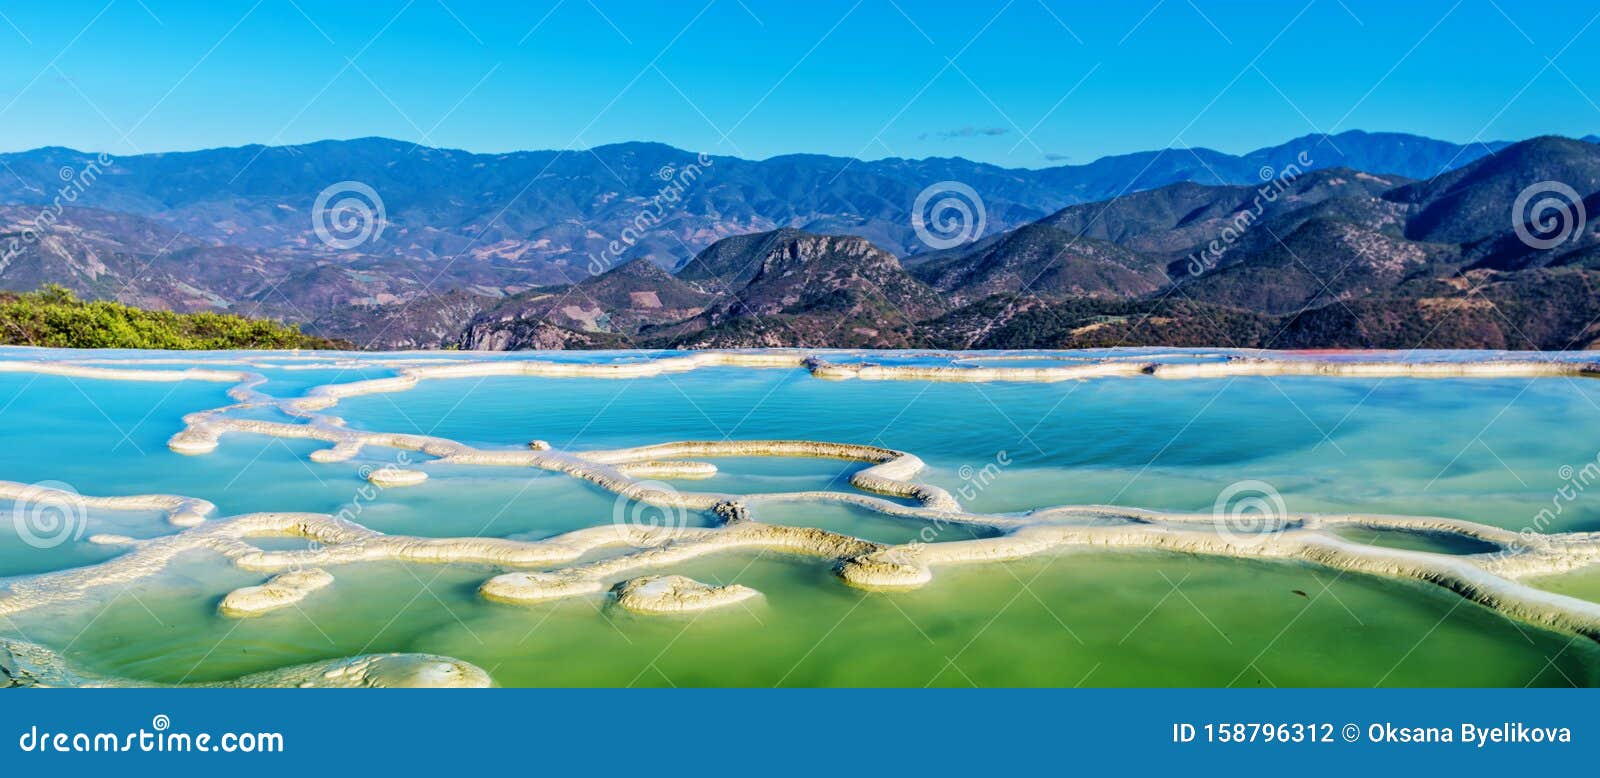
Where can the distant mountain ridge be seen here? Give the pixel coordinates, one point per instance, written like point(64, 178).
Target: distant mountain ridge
point(537, 214)
point(1337, 258)
point(502, 251)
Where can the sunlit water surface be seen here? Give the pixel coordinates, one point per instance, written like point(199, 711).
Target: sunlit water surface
point(1491, 451)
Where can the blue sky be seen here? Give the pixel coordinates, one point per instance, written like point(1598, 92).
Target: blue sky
point(1023, 83)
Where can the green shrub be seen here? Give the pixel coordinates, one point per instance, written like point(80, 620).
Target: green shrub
point(54, 317)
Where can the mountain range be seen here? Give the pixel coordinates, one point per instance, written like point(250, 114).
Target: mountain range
point(1356, 239)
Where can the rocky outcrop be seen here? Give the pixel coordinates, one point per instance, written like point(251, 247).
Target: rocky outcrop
point(29, 665)
point(280, 591)
point(663, 594)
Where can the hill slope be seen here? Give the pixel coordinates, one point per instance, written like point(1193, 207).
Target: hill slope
point(1339, 244)
point(54, 318)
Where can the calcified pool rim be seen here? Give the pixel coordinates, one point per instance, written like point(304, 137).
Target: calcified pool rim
point(640, 576)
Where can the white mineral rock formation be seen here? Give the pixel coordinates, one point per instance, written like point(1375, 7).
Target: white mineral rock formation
point(25, 664)
point(677, 594)
point(550, 568)
point(280, 591)
point(394, 476)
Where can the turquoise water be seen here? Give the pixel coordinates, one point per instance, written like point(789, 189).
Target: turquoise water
point(1487, 450)
point(1108, 621)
